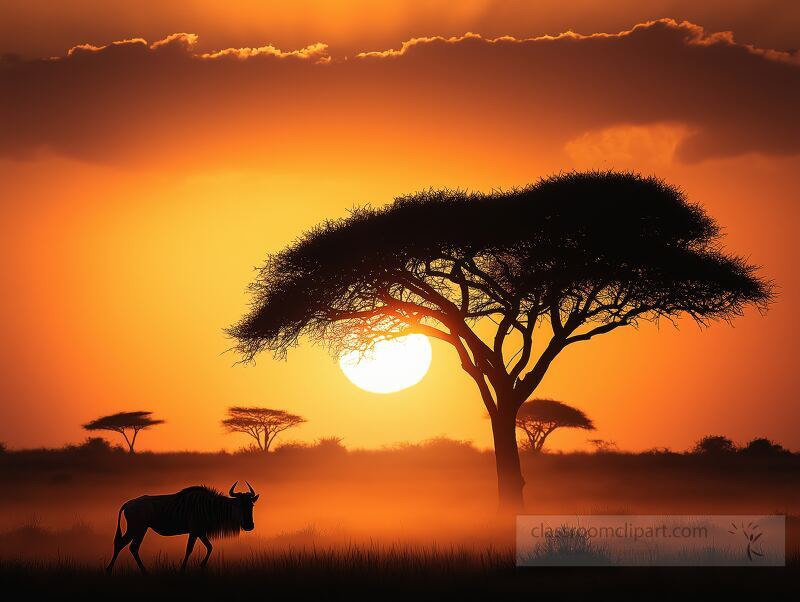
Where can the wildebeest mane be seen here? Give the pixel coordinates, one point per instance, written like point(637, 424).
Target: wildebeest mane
point(219, 514)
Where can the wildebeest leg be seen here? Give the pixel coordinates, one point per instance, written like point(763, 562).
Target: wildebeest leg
point(137, 541)
point(189, 548)
point(208, 546)
point(119, 544)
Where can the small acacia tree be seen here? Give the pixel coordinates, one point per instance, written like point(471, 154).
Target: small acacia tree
point(564, 260)
point(262, 424)
point(124, 422)
point(538, 418)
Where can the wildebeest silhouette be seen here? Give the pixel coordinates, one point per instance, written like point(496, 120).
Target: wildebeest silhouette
point(200, 512)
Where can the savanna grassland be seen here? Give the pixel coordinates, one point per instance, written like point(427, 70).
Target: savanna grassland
point(400, 521)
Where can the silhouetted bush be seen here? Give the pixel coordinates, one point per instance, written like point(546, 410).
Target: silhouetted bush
point(330, 445)
point(437, 444)
point(604, 446)
point(93, 446)
point(659, 451)
point(763, 448)
point(292, 447)
point(249, 450)
point(714, 445)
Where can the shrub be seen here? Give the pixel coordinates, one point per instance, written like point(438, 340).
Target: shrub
point(94, 446)
point(714, 445)
point(763, 447)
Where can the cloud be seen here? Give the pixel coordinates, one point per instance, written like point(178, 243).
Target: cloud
point(317, 51)
point(646, 146)
point(92, 48)
point(163, 102)
point(694, 35)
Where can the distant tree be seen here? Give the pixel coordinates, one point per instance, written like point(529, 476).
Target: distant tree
point(123, 423)
point(763, 447)
point(582, 253)
point(714, 445)
point(538, 418)
point(262, 424)
point(603, 446)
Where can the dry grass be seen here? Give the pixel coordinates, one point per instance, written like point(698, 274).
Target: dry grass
point(389, 572)
point(412, 522)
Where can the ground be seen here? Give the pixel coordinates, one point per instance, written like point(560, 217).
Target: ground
point(413, 521)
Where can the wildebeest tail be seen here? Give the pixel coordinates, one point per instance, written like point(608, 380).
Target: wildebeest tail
point(118, 535)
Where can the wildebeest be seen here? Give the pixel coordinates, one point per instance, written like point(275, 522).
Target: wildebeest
point(200, 512)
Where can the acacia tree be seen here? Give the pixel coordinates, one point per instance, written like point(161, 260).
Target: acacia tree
point(564, 260)
point(123, 422)
point(538, 418)
point(262, 424)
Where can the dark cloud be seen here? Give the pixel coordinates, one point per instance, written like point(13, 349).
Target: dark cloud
point(134, 102)
point(350, 26)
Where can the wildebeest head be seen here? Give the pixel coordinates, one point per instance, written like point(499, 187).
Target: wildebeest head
point(246, 501)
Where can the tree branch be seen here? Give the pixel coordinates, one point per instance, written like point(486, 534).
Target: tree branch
point(477, 375)
point(527, 385)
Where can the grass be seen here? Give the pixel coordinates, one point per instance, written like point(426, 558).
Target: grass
point(356, 524)
point(388, 571)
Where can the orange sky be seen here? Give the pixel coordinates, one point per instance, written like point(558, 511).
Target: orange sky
point(141, 183)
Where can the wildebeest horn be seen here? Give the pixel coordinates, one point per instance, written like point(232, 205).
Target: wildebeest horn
point(251, 488)
point(230, 493)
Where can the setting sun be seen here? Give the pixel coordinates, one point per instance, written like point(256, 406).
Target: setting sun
point(390, 366)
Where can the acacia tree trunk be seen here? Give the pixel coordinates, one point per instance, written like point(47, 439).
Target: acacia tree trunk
point(128, 441)
point(506, 453)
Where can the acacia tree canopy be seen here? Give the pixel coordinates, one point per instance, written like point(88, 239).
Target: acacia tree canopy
point(538, 418)
point(599, 249)
point(565, 259)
